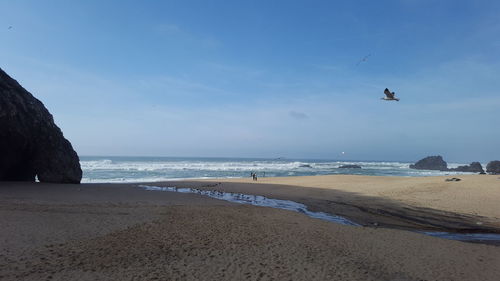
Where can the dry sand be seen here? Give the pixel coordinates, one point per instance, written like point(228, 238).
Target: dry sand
point(473, 195)
point(118, 232)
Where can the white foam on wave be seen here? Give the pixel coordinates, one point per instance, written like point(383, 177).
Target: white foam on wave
point(188, 165)
point(107, 164)
point(139, 180)
point(96, 164)
point(154, 170)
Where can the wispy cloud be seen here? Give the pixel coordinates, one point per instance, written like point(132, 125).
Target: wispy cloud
point(469, 104)
point(326, 67)
point(298, 115)
point(181, 33)
point(176, 85)
point(166, 28)
point(240, 70)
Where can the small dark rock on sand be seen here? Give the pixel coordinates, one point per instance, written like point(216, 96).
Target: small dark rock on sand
point(453, 179)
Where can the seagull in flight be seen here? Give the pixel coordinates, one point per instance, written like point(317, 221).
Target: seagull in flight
point(389, 95)
point(364, 59)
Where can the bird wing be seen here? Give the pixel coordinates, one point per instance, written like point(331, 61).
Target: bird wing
point(364, 59)
point(388, 93)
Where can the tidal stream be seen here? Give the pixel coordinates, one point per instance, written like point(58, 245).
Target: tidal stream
point(258, 200)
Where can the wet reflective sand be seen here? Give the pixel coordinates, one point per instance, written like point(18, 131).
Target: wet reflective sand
point(258, 200)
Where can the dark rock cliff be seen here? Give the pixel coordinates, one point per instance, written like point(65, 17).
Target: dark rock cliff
point(31, 144)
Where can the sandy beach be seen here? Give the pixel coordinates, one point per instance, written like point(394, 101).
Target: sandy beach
point(249, 140)
point(430, 203)
point(121, 232)
point(473, 195)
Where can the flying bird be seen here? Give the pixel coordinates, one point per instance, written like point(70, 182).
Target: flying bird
point(364, 59)
point(10, 27)
point(389, 95)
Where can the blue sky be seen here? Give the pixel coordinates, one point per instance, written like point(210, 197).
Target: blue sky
point(263, 78)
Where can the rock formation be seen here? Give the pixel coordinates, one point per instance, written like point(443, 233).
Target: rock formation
point(431, 163)
point(493, 167)
point(437, 163)
point(474, 167)
point(30, 142)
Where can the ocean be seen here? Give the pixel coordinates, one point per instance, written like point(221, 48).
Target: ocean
point(116, 169)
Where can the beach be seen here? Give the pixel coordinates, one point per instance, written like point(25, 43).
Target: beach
point(473, 195)
point(123, 232)
point(249, 140)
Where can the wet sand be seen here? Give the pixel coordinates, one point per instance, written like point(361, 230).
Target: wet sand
point(430, 203)
point(120, 232)
point(473, 195)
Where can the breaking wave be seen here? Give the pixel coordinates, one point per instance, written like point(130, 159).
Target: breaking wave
point(151, 169)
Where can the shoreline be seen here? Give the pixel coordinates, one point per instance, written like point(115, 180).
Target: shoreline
point(374, 201)
point(368, 209)
point(474, 195)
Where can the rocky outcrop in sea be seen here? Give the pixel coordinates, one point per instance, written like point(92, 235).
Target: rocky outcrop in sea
point(31, 144)
point(493, 167)
point(431, 163)
point(437, 163)
point(474, 167)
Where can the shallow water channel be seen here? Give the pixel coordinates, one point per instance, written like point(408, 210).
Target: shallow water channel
point(258, 200)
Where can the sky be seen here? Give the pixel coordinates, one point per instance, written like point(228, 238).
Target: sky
point(263, 78)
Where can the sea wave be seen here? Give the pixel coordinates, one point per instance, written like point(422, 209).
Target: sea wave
point(107, 164)
point(138, 180)
point(123, 169)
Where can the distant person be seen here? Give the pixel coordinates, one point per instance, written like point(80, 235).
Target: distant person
point(254, 176)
